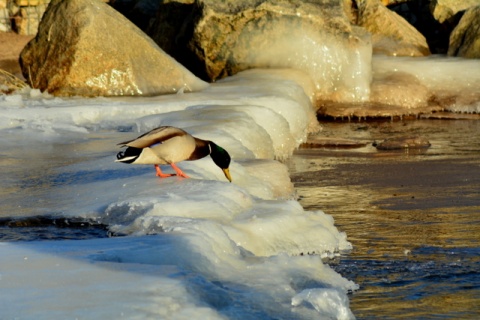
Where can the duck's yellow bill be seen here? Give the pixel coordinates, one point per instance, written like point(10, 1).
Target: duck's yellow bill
point(227, 174)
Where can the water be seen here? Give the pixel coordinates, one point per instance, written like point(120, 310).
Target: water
point(38, 228)
point(413, 217)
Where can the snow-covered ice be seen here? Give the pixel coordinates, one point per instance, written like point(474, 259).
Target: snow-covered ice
point(200, 248)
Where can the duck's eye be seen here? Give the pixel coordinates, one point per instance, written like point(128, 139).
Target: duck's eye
point(120, 155)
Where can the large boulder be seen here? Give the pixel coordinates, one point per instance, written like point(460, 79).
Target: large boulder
point(444, 10)
point(85, 47)
point(465, 38)
point(391, 34)
point(418, 14)
point(215, 39)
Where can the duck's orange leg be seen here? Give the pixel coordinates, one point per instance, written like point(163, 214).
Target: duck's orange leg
point(160, 173)
point(178, 171)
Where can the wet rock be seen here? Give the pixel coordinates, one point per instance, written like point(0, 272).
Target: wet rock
point(465, 38)
point(444, 10)
point(86, 48)
point(391, 34)
point(336, 143)
point(220, 38)
point(403, 143)
point(366, 110)
point(451, 116)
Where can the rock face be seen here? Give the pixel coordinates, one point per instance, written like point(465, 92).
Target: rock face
point(465, 38)
point(225, 37)
point(391, 34)
point(84, 47)
point(444, 10)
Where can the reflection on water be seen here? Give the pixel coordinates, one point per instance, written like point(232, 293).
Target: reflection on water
point(413, 218)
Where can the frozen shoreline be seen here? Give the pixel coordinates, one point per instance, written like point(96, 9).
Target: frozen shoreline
point(215, 249)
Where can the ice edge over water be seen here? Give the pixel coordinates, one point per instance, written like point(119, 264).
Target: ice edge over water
point(215, 250)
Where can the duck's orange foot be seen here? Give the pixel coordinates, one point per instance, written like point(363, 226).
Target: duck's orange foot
point(161, 174)
point(178, 171)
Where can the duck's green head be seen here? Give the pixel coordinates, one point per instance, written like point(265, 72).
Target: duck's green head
point(221, 158)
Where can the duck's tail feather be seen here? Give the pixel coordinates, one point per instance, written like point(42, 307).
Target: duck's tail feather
point(129, 155)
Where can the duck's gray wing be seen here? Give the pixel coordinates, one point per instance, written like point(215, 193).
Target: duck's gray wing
point(155, 136)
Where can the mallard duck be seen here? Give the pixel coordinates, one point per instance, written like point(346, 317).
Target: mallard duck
point(169, 145)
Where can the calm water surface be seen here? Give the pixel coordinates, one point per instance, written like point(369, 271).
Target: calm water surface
point(413, 216)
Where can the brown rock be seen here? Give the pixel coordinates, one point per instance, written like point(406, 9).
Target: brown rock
point(418, 14)
point(414, 142)
point(335, 143)
point(444, 10)
point(368, 110)
point(84, 47)
point(465, 38)
point(220, 38)
point(391, 34)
